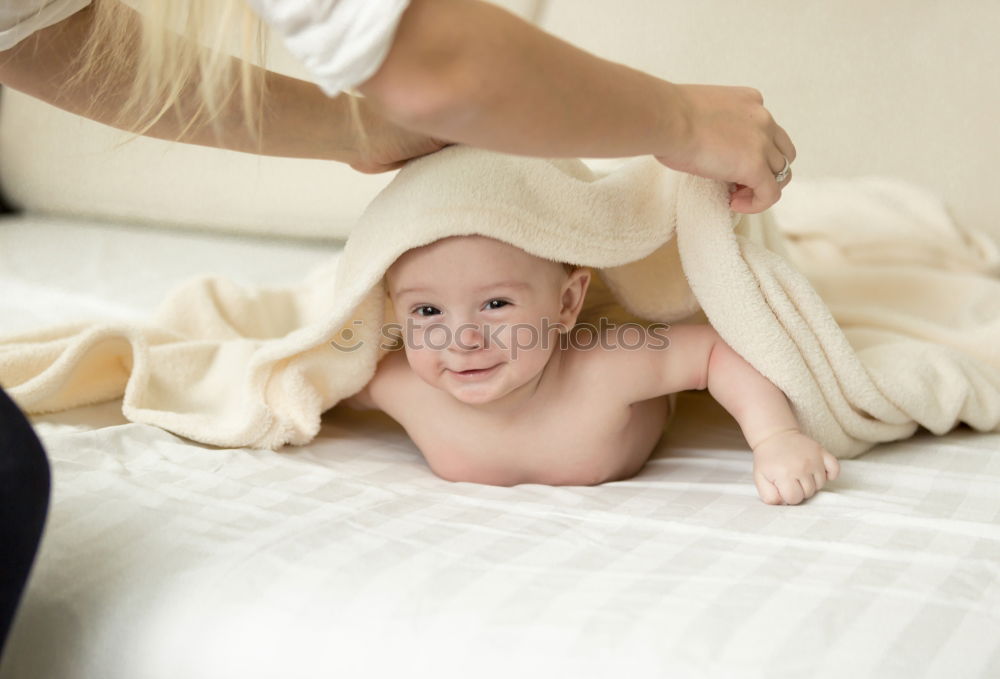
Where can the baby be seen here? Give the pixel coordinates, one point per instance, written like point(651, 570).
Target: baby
point(495, 385)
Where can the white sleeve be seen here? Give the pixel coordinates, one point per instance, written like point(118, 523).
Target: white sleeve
point(21, 18)
point(341, 43)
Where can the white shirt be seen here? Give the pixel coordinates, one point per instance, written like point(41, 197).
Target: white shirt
point(341, 43)
point(21, 18)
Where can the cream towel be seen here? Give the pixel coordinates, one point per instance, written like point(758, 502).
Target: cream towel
point(229, 366)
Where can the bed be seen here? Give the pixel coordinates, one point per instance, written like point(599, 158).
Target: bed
point(163, 557)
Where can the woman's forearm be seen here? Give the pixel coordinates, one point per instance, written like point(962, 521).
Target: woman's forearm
point(470, 72)
point(474, 73)
point(297, 119)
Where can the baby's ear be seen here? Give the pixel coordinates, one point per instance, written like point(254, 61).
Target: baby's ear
point(574, 291)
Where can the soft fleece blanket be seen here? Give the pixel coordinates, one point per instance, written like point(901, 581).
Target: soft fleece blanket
point(862, 301)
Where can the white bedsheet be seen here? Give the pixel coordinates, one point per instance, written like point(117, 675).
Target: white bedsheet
point(349, 558)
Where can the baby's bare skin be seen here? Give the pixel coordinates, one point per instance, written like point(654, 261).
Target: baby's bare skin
point(565, 433)
point(484, 406)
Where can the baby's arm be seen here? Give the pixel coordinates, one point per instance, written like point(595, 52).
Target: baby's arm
point(362, 400)
point(788, 465)
point(390, 373)
point(367, 398)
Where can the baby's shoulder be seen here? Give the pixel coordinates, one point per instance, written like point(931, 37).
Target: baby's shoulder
point(600, 354)
point(624, 360)
point(391, 372)
point(614, 345)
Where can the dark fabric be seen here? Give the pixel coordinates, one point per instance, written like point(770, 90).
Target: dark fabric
point(5, 207)
point(24, 501)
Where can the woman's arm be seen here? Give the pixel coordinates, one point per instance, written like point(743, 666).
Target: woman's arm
point(465, 71)
point(298, 120)
point(474, 73)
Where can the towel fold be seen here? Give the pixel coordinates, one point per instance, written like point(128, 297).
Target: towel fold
point(861, 300)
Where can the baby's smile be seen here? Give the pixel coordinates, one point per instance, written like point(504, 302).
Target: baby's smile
point(474, 374)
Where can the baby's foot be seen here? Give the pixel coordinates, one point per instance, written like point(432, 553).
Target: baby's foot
point(790, 467)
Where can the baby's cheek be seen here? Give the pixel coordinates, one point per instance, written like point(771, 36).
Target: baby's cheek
point(417, 355)
point(522, 338)
point(434, 337)
point(424, 365)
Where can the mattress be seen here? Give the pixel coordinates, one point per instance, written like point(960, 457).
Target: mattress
point(347, 557)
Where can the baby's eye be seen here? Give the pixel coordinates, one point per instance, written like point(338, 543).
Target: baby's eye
point(497, 304)
point(419, 311)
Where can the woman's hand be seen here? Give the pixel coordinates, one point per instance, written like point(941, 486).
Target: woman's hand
point(384, 145)
point(790, 467)
point(727, 134)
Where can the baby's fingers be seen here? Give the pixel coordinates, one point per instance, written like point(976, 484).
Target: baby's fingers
point(791, 490)
point(767, 491)
point(808, 484)
point(832, 465)
point(819, 478)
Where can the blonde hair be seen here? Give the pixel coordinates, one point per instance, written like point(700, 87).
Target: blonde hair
point(179, 61)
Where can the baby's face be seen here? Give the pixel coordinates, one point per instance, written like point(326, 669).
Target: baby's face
point(481, 318)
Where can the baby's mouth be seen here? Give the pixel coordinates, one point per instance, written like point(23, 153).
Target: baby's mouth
point(474, 372)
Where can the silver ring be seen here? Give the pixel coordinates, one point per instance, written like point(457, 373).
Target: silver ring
point(780, 177)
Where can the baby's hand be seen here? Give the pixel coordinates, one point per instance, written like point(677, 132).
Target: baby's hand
point(790, 467)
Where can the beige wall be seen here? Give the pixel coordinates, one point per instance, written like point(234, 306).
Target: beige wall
point(906, 88)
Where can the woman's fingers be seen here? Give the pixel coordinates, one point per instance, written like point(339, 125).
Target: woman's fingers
point(767, 190)
point(756, 197)
point(784, 143)
point(780, 168)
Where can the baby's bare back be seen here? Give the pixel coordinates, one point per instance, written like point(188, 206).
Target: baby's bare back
point(577, 428)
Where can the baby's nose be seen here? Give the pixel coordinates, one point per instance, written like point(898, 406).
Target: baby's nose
point(468, 336)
